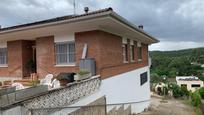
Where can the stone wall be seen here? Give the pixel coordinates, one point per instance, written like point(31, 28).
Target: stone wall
point(63, 96)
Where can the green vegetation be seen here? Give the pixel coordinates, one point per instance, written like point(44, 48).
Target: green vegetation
point(178, 91)
point(201, 92)
point(83, 72)
point(173, 63)
point(34, 83)
point(195, 99)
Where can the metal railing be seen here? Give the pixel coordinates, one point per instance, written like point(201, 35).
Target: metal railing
point(47, 111)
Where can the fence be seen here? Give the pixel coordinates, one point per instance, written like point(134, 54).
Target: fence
point(98, 107)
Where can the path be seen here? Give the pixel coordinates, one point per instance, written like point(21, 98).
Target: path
point(169, 107)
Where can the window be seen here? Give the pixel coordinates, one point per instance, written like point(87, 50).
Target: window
point(143, 78)
point(65, 53)
point(195, 85)
point(3, 56)
point(125, 53)
point(140, 53)
point(132, 52)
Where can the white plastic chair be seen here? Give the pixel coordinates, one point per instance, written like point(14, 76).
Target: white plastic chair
point(18, 86)
point(55, 84)
point(47, 80)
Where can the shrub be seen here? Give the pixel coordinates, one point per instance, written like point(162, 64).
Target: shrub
point(83, 72)
point(177, 92)
point(184, 91)
point(195, 99)
point(201, 92)
point(34, 83)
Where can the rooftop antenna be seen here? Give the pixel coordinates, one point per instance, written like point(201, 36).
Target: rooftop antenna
point(74, 4)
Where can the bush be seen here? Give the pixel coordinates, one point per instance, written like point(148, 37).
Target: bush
point(201, 92)
point(83, 72)
point(177, 92)
point(184, 91)
point(195, 99)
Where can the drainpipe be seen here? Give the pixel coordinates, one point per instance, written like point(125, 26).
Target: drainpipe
point(84, 53)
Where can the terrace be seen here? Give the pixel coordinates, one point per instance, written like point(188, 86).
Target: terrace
point(42, 97)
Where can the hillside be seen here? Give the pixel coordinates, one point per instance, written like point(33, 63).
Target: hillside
point(193, 55)
point(181, 62)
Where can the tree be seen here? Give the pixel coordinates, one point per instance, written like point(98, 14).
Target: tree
point(155, 78)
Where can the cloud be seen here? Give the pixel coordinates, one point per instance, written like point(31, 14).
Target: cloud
point(169, 45)
point(171, 20)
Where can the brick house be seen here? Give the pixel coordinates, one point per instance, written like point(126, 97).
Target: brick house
point(119, 48)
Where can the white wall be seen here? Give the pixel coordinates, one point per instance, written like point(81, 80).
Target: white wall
point(126, 88)
point(3, 44)
point(189, 83)
point(64, 37)
point(121, 88)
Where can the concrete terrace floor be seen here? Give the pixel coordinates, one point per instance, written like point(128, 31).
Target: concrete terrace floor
point(169, 107)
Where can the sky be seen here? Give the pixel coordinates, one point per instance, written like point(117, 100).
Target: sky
point(178, 24)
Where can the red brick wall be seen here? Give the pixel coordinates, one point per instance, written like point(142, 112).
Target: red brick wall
point(110, 49)
point(106, 48)
point(102, 46)
point(125, 67)
point(19, 52)
point(46, 58)
point(4, 72)
point(92, 39)
point(15, 58)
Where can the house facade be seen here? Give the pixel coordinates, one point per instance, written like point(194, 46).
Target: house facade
point(191, 83)
point(119, 49)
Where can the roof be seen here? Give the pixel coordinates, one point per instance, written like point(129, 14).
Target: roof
point(187, 78)
point(107, 11)
point(56, 19)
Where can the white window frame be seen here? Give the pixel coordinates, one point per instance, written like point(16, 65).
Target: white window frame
point(132, 51)
point(67, 63)
point(124, 52)
point(139, 53)
point(5, 57)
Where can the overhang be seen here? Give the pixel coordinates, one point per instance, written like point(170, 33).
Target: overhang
point(106, 20)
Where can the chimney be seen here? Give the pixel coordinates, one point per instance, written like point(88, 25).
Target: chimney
point(140, 26)
point(86, 9)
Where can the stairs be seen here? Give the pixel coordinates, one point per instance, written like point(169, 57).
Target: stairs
point(120, 111)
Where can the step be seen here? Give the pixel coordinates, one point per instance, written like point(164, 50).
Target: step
point(112, 111)
point(121, 110)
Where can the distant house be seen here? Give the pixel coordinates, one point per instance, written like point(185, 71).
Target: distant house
point(190, 82)
point(118, 48)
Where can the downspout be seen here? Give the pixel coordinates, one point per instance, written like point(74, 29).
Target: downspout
point(84, 53)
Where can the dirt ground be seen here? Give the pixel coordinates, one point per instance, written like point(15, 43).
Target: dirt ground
point(169, 107)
